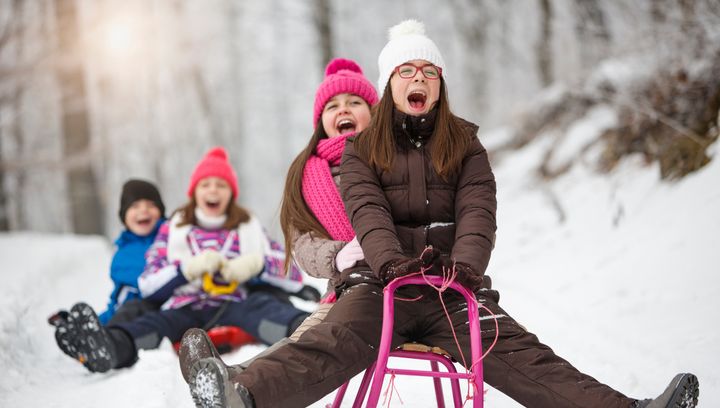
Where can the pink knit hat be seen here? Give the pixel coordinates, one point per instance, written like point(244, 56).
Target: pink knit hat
point(342, 76)
point(214, 164)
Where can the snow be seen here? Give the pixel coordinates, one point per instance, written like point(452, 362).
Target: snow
point(616, 272)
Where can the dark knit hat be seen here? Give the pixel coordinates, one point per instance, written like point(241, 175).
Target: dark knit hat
point(134, 190)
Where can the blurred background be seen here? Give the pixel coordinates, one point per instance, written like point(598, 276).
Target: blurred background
point(600, 117)
point(93, 92)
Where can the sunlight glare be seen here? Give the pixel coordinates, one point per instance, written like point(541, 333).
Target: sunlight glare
point(120, 39)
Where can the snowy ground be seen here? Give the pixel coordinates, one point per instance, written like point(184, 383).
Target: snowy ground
point(625, 288)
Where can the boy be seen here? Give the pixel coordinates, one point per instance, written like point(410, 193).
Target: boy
point(142, 212)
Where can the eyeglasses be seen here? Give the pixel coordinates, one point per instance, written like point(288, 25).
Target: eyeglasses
point(429, 71)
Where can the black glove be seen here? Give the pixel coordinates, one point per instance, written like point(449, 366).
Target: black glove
point(464, 273)
point(407, 266)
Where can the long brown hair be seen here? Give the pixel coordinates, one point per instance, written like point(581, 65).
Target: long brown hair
point(448, 145)
point(236, 215)
point(295, 216)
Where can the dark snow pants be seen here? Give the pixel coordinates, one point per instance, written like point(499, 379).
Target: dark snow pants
point(346, 342)
point(263, 315)
point(131, 310)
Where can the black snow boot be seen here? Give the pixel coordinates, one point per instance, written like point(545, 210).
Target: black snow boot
point(64, 332)
point(91, 341)
point(210, 386)
point(682, 392)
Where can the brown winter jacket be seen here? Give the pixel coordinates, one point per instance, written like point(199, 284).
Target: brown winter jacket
point(396, 214)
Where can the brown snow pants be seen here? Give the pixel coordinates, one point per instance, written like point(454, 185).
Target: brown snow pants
point(346, 341)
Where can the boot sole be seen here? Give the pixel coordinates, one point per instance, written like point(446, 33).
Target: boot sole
point(94, 349)
point(210, 386)
point(208, 380)
point(64, 332)
point(686, 392)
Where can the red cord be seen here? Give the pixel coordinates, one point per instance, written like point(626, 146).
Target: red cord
point(449, 275)
point(393, 390)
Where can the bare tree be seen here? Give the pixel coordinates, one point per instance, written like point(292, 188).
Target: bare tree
point(7, 27)
point(4, 216)
point(544, 45)
point(473, 20)
point(592, 32)
point(85, 202)
point(322, 22)
point(12, 32)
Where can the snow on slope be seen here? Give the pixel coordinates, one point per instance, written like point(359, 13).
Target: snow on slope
point(624, 287)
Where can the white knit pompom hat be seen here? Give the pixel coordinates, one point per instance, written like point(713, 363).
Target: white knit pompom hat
point(407, 42)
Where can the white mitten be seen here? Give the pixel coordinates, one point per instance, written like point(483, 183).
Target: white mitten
point(208, 261)
point(243, 268)
point(348, 256)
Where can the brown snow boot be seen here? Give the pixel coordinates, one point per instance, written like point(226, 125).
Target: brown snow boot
point(682, 392)
point(210, 386)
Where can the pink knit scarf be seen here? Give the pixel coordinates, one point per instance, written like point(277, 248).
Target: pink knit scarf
point(321, 193)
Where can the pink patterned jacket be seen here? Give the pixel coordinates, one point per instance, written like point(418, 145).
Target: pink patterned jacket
point(163, 282)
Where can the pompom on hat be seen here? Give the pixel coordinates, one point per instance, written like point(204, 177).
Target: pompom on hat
point(407, 42)
point(342, 76)
point(214, 164)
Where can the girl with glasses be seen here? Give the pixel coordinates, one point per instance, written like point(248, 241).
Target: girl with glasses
point(420, 195)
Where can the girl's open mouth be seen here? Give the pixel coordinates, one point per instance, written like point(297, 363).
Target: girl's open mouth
point(212, 204)
point(417, 100)
point(345, 126)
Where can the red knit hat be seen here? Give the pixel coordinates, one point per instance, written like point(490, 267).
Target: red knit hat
point(214, 164)
point(342, 76)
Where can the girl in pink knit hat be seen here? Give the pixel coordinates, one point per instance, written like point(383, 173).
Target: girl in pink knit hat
point(318, 235)
point(208, 266)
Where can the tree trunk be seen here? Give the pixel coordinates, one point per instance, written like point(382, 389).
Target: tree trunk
point(592, 32)
point(322, 22)
point(83, 195)
point(13, 32)
point(544, 46)
point(472, 19)
point(4, 209)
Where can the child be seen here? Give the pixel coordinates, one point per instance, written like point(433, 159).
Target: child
point(141, 212)
point(416, 177)
point(200, 268)
point(313, 216)
point(318, 234)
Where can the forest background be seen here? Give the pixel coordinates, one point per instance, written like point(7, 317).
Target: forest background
point(93, 92)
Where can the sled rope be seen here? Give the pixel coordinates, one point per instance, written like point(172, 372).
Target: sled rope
point(393, 390)
point(448, 277)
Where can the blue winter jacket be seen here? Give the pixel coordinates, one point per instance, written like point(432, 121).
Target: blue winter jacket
point(127, 265)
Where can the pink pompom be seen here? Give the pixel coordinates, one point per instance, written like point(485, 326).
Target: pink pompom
point(218, 152)
point(339, 64)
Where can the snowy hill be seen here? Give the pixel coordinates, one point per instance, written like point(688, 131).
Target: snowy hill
point(617, 273)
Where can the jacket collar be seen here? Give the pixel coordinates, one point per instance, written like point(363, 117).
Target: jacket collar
point(415, 129)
